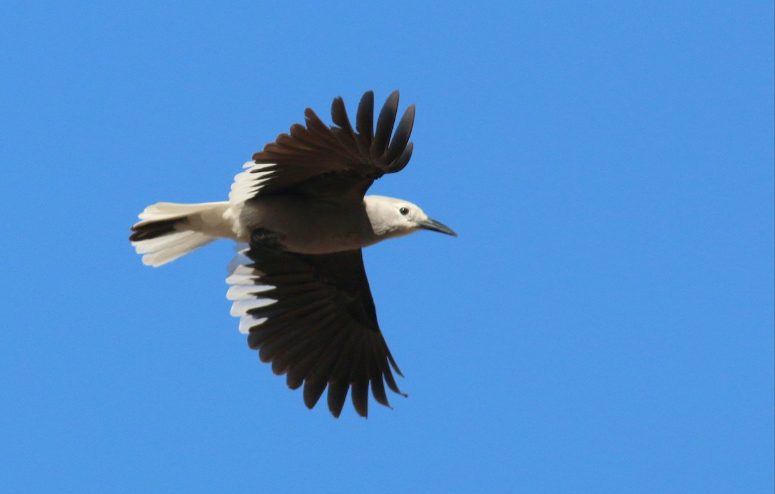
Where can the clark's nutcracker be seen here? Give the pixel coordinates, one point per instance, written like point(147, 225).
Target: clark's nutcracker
point(299, 286)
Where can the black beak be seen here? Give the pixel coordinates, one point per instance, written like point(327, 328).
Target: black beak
point(436, 226)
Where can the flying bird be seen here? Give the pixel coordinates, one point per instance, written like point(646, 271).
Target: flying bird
point(300, 213)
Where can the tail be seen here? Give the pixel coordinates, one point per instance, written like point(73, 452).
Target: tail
point(169, 231)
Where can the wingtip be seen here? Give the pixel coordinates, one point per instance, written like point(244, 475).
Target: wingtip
point(339, 114)
point(393, 99)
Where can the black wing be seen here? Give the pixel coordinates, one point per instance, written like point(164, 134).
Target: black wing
point(313, 318)
point(339, 162)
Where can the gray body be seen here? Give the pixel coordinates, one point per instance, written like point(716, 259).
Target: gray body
point(308, 226)
point(299, 286)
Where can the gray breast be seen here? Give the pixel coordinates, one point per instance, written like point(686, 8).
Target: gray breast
point(308, 226)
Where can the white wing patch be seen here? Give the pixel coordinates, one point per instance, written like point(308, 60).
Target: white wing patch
point(249, 182)
point(245, 292)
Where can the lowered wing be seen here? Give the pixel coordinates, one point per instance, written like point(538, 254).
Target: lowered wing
point(313, 318)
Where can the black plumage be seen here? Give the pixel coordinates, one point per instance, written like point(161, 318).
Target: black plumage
point(339, 163)
point(151, 230)
point(322, 331)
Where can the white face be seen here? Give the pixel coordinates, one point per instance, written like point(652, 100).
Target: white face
point(407, 216)
point(392, 217)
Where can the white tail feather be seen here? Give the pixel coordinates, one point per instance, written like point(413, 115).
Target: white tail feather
point(170, 210)
point(159, 251)
point(199, 224)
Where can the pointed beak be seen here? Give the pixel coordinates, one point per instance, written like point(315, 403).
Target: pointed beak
point(436, 226)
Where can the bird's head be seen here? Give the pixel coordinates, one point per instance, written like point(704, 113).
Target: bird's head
point(391, 217)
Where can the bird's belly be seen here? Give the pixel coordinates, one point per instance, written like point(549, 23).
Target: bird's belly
point(304, 226)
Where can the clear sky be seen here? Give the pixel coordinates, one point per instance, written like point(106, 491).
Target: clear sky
point(604, 322)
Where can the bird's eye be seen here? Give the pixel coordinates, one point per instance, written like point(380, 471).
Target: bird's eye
point(404, 211)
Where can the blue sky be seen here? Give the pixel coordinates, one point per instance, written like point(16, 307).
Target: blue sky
point(604, 322)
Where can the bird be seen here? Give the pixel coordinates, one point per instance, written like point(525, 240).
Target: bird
point(300, 217)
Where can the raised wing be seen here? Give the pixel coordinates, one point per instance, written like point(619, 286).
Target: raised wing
point(313, 318)
point(336, 163)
